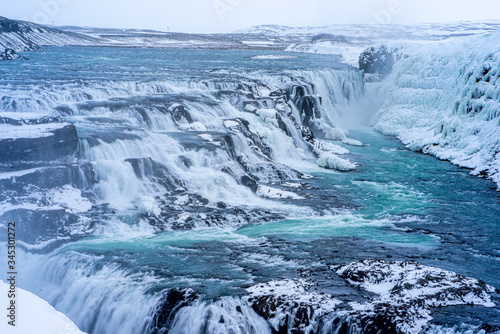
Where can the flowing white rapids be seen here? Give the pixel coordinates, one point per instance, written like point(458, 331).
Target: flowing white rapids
point(171, 152)
point(180, 181)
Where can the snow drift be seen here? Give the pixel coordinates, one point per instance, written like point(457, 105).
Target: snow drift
point(35, 315)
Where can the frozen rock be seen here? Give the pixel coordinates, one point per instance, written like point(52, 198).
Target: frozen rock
point(406, 292)
point(331, 161)
point(291, 305)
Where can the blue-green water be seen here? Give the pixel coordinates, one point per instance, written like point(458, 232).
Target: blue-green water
point(397, 204)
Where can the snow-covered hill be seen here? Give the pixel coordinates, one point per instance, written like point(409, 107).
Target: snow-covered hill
point(444, 99)
point(27, 36)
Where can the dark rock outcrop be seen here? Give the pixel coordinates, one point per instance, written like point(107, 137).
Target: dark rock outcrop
point(171, 302)
point(10, 54)
point(61, 143)
point(376, 60)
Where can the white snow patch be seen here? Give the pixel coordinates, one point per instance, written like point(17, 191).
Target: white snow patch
point(182, 200)
point(273, 57)
point(352, 142)
point(250, 108)
point(269, 192)
point(8, 131)
point(35, 315)
point(195, 127)
point(230, 124)
point(330, 147)
point(9, 175)
point(147, 205)
point(331, 161)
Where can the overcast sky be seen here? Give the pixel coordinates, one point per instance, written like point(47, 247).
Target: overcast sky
point(229, 15)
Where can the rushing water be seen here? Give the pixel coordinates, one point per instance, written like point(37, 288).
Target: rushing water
point(396, 205)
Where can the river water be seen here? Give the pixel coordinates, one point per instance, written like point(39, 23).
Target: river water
point(110, 276)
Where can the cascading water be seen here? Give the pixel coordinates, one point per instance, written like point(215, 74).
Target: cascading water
point(203, 194)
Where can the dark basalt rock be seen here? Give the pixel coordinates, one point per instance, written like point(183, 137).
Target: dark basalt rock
point(378, 322)
point(62, 144)
point(282, 125)
point(290, 306)
point(181, 115)
point(194, 211)
point(309, 108)
point(171, 302)
point(377, 60)
point(10, 54)
point(81, 176)
point(41, 225)
point(249, 182)
point(155, 171)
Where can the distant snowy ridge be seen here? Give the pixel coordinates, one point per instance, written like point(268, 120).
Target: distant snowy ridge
point(444, 99)
point(434, 31)
point(35, 315)
point(349, 41)
point(27, 36)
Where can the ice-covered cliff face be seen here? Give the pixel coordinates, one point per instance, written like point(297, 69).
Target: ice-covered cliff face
point(444, 99)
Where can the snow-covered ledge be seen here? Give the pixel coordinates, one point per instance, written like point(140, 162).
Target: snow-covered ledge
point(34, 315)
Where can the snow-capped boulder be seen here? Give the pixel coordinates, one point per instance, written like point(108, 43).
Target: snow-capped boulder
point(10, 54)
point(331, 161)
point(291, 305)
point(405, 293)
point(43, 142)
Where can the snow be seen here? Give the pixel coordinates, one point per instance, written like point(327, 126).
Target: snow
point(331, 161)
point(266, 113)
point(290, 295)
point(147, 205)
point(273, 57)
point(329, 147)
point(35, 315)
point(65, 197)
point(69, 198)
point(195, 127)
point(352, 142)
point(349, 53)
point(231, 124)
point(8, 131)
point(182, 200)
point(273, 193)
point(296, 290)
point(444, 100)
point(258, 42)
point(250, 108)
point(18, 115)
point(413, 289)
point(10, 175)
